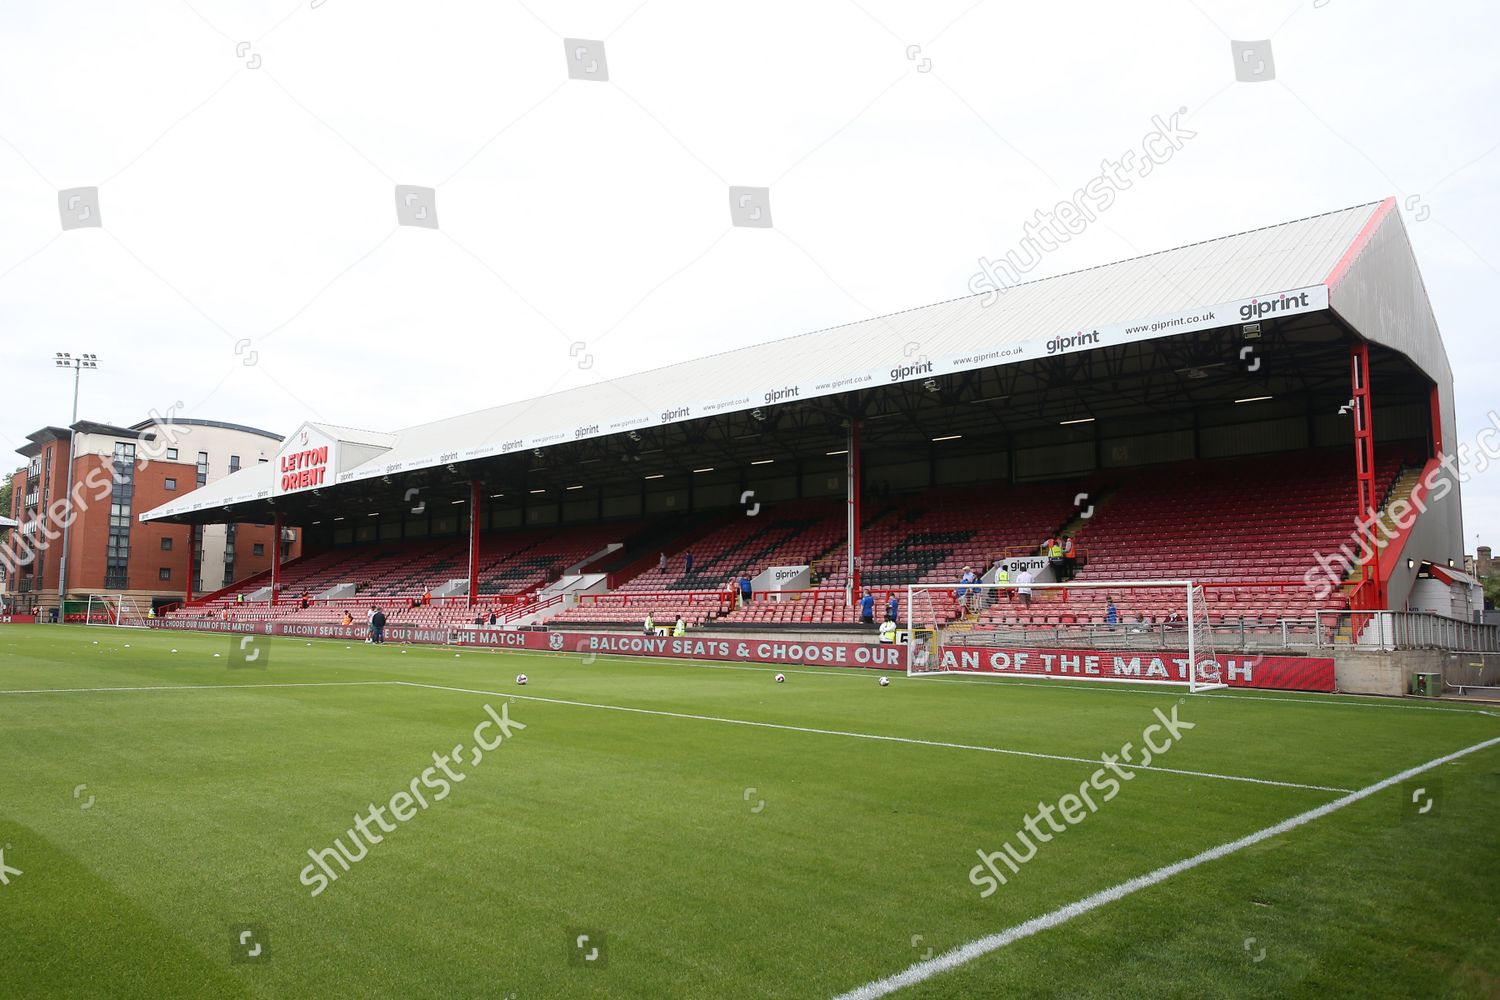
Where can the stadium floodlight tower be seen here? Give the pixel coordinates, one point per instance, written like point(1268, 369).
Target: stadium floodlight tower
point(1138, 632)
point(80, 364)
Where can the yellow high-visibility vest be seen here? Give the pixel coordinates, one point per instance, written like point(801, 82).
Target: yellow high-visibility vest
point(1056, 551)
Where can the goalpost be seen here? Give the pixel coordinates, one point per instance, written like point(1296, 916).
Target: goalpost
point(116, 612)
point(1134, 631)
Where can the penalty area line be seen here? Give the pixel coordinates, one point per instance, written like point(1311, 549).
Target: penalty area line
point(962, 955)
point(873, 736)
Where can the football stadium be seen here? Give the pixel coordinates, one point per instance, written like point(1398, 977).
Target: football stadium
point(1098, 635)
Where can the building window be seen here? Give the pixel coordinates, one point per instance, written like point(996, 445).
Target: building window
point(202, 467)
point(171, 454)
point(117, 544)
point(166, 545)
point(164, 573)
point(171, 484)
point(260, 549)
point(234, 463)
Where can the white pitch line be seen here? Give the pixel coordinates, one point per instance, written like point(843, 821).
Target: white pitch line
point(962, 955)
point(871, 736)
point(202, 687)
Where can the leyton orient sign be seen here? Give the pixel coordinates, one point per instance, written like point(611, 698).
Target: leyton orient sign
point(305, 460)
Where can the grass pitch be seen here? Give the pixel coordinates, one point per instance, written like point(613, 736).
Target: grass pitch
point(163, 808)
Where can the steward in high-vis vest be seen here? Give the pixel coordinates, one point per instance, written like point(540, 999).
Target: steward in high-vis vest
point(1055, 557)
point(1002, 575)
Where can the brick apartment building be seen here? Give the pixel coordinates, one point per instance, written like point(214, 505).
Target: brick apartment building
point(118, 472)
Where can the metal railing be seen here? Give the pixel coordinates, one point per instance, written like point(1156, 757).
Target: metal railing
point(1392, 630)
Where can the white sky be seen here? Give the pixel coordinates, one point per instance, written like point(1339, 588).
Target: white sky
point(257, 204)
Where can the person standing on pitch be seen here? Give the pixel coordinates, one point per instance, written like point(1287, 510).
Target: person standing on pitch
point(867, 609)
point(377, 626)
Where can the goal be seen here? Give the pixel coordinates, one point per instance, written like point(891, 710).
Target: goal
point(1139, 632)
point(117, 612)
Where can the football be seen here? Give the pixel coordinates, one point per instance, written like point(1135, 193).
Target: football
point(520, 678)
point(885, 682)
point(781, 678)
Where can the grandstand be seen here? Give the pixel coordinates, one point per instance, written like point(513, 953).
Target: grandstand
point(1221, 412)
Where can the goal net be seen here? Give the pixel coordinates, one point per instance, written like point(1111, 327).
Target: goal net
point(119, 612)
point(1141, 632)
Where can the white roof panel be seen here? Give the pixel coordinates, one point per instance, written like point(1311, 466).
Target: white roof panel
point(1199, 286)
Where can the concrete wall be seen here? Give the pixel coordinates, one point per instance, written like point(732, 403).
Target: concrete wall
point(1369, 672)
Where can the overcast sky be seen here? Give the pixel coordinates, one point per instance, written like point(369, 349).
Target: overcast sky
point(249, 263)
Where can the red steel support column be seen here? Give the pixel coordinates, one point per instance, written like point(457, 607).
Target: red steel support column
point(853, 465)
point(1364, 462)
point(276, 559)
point(1435, 402)
point(474, 498)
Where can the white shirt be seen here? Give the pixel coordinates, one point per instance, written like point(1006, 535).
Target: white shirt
point(1023, 581)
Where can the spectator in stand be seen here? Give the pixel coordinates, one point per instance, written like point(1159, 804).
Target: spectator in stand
point(679, 627)
point(305, 603)
point(649, 628)
point(892, 609)
point(687, 564)
point(411, 602)
point(1070, 558)
point(239, 598)
point(1023, 586)
point(377, 626)
point(966, 595)
point(661, 563)
point(494, 616)
point(479, 620)
point(745, 591)
point(867, 609)
point(1111, 613)
point(427, 596)
point(348, 619)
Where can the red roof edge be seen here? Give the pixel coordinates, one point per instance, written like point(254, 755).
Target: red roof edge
point(1360, 242)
